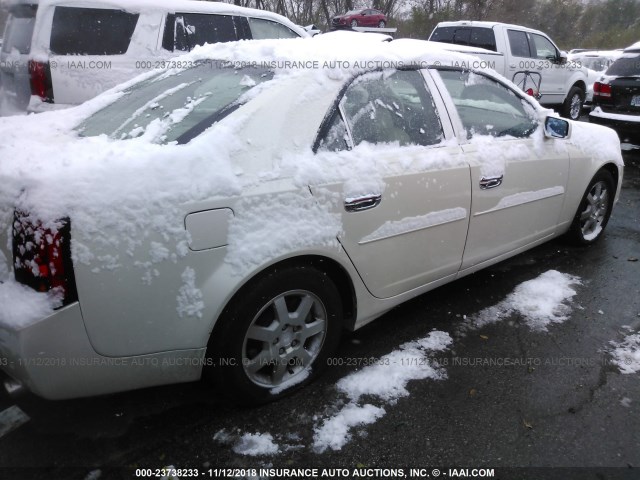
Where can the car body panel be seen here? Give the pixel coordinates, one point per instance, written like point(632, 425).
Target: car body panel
point(149, 295)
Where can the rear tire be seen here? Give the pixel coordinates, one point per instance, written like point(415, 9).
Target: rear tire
point(276, 335)
point(572, 106)
point(381, 24)
point(594, 210)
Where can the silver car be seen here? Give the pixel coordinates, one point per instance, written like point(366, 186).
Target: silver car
point(230, 217)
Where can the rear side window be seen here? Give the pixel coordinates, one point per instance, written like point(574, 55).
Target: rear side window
point(184, 31)
point(91, 31)
point(480, 37)
point(519, 44)
point(20, 29)
point(261, 29)
point(625, 66)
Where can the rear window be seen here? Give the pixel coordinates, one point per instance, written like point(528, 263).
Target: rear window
point(627, 65)
point(20, 29)
point(178, 107)
point(91, 31)
point(481, 37)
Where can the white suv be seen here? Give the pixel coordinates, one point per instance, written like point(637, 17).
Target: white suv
point(63, 52)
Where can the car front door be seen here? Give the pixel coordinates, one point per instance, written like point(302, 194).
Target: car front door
point(403, 193)
point(518, 177)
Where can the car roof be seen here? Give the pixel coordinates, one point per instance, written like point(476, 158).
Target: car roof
point(190, 6)
point(485, 24)
point(633, 48)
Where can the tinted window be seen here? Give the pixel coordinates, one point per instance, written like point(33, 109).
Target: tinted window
point(544, 49)
point(519, 43)
point(397, 108)
point(336, 137)
point(487, 107)
point(199, 28)
point(480, 37)
point(483, 38)
point(91, 31)
point(627, 65)
point(443, 34)
point(261, 29)
point(20, 29)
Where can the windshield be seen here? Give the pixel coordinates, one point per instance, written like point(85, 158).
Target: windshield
point(626, 66)
point(178, 107)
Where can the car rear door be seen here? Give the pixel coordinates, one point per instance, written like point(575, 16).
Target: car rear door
point(402, 192)
point(518, 177)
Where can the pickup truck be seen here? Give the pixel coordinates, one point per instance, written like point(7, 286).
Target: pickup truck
point(525, 56)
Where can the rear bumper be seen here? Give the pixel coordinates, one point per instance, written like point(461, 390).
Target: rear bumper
point(627, 126)
point(54, 359)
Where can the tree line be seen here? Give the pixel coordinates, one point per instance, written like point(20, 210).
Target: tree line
point(571, 23)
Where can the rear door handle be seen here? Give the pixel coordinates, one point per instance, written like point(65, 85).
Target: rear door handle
point(358, 204)
point(490, 182)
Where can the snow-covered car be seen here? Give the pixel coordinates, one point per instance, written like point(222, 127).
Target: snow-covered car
point(616, 96)
point(59, 53)
point(230, 218)
point(596, 62)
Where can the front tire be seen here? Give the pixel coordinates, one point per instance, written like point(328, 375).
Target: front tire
point(572, 107)
point(277, 335)
point(354, 23)
point(594, 210)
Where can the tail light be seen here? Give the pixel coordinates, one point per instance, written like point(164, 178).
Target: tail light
point(40, 80)
point(42, 256)
point(602, 90)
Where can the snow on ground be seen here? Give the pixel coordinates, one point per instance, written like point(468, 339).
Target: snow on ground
point(540, 302)
point(257, 444)
point(386, 381)
point(626, 354)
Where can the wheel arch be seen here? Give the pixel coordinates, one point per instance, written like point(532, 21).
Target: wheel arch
point(329, 266)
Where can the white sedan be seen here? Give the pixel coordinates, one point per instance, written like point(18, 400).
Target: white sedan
point(231, 217)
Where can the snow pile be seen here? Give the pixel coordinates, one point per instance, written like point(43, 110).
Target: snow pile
point(190, 298)
point(541, 302)
point(20, 306)
point(387, 381)
point(626, 354)
point(256, 444)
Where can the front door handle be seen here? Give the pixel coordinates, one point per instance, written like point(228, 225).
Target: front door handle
point(490, 182)
point(358, 204)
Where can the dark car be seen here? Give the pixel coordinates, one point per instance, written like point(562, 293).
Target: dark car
point(367, 17)
point(616, 96)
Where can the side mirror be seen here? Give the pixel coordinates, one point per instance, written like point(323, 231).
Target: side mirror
point(555, 127)
point(562, 59)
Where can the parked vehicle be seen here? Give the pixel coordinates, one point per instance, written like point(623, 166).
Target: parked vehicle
point(62, 53)
point(596, 62)
point(525, 56)
point(367, 17)
point(616, 96)
point(206, 221)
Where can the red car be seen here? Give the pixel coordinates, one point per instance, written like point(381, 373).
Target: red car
point(367, 17)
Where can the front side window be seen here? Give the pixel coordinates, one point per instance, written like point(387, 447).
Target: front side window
point(262, 29)
point(382, 108)
point(487, 107)
point(91, 31)
point(544, 49)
